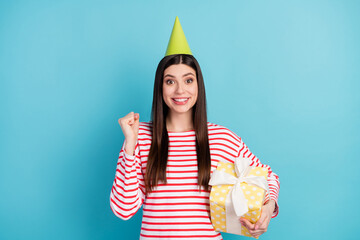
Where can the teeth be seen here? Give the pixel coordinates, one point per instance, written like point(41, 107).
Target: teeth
point(180, 99)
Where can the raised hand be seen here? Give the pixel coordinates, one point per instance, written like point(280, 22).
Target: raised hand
point(130, 128)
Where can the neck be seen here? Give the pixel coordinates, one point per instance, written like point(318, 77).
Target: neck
point(179, 122)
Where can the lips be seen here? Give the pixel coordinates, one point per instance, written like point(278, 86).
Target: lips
point(180, 101)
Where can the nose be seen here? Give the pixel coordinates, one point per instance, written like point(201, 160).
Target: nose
point(180, 88)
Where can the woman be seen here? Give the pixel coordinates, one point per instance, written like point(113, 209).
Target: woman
point(165, 164)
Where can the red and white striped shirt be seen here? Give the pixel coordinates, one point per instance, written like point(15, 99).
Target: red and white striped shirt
point(177, 210)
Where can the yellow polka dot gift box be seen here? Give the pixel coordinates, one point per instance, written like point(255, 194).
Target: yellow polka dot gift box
point(238, 190)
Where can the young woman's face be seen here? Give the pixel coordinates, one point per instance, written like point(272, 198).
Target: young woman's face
point(180, 88)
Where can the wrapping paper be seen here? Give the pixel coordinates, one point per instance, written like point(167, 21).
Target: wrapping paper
point(238, 190)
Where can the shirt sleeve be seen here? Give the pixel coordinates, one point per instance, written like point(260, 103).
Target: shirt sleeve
point(273, 178)
point(128, 190)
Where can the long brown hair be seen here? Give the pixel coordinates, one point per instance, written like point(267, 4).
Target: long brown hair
point(158, 155)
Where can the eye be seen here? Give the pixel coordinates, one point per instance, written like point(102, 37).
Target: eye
point(169, 81)
point(189, 80)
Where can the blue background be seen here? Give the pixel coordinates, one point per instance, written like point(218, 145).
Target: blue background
point(283, 75)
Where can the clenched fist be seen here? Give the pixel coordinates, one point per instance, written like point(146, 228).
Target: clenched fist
point(130, 127)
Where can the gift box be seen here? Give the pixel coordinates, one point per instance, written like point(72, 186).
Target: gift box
point(238, 190)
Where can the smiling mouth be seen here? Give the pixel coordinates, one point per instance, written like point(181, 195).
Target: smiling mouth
point(180, 101)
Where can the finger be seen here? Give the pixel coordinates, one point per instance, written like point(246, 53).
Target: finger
point(255, 234)
point(242, 221)
point(130, 118)
point(248, 224)
point(265, 223)
point(251, 228)
point(260, 222)
point(258, 232)
point(127, 117)
point(264, 219)
point(137, 121)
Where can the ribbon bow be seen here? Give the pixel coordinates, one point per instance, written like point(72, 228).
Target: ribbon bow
point(236, 200)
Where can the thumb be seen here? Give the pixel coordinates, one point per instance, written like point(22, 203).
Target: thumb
point(136, 116)
point(136, 121)
point(259, 222)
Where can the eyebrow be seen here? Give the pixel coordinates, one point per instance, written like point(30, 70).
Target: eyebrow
point(169, 75)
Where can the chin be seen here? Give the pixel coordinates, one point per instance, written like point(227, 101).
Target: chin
point(177, 111)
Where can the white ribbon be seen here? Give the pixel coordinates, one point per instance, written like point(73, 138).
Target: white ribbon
point(236, 203)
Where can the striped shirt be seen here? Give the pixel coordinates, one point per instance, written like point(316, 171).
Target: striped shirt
point(177, 210)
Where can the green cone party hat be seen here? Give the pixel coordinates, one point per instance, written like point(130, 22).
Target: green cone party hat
point(177, 43)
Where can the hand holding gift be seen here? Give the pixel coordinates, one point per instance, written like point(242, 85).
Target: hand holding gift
point(262, 224)
point(238, 190)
